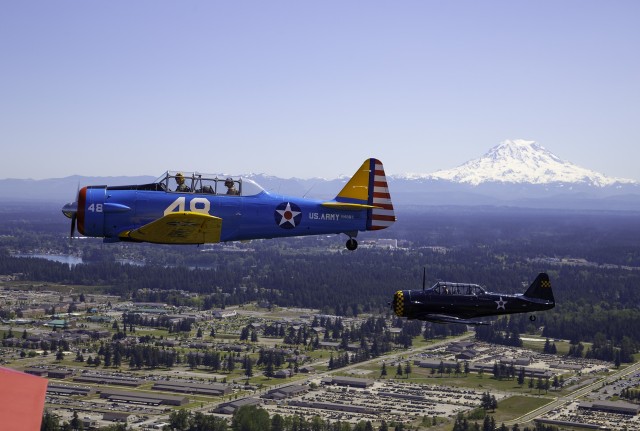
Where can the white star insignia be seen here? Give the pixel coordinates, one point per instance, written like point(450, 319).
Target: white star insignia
point(501, 303)
point(288, 215)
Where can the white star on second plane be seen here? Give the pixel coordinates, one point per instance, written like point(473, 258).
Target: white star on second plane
point(288, 215)
point(501, 303)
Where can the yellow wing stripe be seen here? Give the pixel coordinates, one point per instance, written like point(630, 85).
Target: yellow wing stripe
point(179, 228)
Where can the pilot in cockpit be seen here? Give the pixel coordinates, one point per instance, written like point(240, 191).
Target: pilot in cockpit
point(231, 188)
point(181, 186)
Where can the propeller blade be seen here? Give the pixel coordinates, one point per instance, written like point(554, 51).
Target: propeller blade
point(73, 225)
point(70, 210)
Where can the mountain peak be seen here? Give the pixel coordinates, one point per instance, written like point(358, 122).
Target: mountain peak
point(522, 161)
point(519, 149)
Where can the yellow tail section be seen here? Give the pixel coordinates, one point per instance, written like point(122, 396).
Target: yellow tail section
point(358, 186)
point(368, 189)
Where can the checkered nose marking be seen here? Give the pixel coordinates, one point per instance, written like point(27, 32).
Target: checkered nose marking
point(398, 303)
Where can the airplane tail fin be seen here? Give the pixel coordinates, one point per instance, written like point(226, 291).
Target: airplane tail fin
point(541, 288)
point(368, 186)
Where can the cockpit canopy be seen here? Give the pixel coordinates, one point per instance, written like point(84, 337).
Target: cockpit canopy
point(218, 184)
point(448, 288)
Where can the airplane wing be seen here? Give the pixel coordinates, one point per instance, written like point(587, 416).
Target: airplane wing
point(446, 318)
point(179, 228)
point(21, 400)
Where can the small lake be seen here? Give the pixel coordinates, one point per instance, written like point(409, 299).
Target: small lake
point(62, 258)
point(75, 260)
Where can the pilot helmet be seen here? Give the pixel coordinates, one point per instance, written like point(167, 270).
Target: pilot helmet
point(179, 177)
point(229, 182)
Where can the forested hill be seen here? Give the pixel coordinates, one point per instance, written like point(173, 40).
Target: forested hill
point(593, 259)
point(363, 281)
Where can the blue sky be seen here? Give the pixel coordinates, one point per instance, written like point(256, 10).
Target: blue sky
point(305, 89)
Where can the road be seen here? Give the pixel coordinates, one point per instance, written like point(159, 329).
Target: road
point(569, 398)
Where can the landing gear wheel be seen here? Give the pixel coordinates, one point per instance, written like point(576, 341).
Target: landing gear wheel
point(532, 318)
point(352, 244)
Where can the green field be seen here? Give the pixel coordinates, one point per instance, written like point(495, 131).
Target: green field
point(513, 407)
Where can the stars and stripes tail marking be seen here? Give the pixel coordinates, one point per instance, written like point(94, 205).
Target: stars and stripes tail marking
point(383, 215)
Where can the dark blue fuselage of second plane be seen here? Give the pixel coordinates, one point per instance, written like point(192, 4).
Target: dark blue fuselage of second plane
point(459, 302)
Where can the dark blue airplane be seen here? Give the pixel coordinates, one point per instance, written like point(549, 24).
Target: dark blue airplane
point(447, 302)
point(193, 208)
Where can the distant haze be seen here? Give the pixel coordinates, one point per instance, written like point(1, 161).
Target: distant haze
point(515, 173)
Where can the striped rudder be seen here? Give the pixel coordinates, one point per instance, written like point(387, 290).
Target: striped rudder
point(382, 215)
point(368, 189)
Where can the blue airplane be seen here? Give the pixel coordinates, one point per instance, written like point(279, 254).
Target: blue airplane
point(194, 208)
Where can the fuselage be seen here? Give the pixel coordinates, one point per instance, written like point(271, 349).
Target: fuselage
point(108, 211)
point(415, 304)
point(196, 208)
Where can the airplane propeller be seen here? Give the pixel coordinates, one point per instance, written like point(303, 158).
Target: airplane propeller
point(70, 210)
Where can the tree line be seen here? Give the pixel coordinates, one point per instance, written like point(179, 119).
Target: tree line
point(500, 249)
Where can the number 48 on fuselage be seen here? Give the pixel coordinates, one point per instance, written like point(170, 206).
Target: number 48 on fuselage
point(193, 208)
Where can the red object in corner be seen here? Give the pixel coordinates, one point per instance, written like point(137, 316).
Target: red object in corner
point(21, 400)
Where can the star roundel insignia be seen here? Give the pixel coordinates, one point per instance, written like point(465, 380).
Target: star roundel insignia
point(288, 215)
point(501, 303)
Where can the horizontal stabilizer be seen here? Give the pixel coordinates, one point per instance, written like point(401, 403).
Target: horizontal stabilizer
point(179, 228)
point(347, 206)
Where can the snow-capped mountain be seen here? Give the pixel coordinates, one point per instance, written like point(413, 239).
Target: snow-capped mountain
point(516, 173)
point(521, 162)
